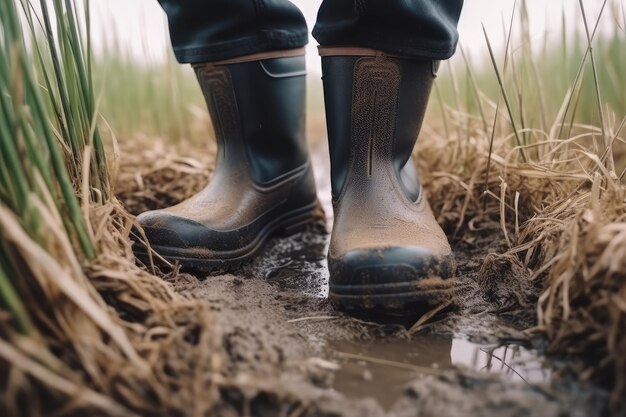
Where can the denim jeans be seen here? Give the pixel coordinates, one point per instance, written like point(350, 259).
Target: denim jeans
point(212, 30)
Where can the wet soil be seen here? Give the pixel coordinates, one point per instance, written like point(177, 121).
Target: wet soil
point(290, 353)
point(296, 354)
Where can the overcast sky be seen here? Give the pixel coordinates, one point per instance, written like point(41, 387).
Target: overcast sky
point(140, 24)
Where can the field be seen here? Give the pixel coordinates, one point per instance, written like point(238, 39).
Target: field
point(523, 159)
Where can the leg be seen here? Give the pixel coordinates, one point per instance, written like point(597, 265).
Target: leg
point(212, 30)
point(417, 28)
point(263, 182)
point(387, 253)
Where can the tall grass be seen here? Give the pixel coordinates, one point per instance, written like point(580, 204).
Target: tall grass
point(51, 148)
point(53, 163)
point(75, 311)
point(542, 73)
point(158, 100)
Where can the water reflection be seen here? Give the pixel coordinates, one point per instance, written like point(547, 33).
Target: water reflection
point(511, 361)
point(382, 369)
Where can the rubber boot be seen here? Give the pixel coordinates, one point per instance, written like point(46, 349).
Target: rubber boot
point(388, 256)
point(263, 182)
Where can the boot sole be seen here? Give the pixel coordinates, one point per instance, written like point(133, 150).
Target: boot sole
point(389, 301)
point(192, 260)
point(374, 291)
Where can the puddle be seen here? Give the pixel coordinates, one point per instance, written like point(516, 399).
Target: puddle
point(382, 369)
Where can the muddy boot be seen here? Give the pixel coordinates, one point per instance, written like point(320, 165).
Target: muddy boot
point(388, 255)
point(263, 183)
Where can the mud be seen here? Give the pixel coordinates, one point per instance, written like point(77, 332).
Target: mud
point(289, 353)
point(293, 353)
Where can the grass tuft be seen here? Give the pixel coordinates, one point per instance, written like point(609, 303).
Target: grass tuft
point(563, 207)
point(83, 330)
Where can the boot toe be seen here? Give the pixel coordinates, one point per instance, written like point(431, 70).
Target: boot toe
point(389, 265)
point(396, 281)
point(164, 230)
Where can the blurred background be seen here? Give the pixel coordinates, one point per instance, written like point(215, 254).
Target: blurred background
point(145, 92)
point(140, 26)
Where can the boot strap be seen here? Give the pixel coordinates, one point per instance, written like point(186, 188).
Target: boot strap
point(259, 56)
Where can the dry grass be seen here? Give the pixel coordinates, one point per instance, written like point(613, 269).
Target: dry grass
point(155, 173)
point(556, 186)
point(111, 339)
point(83, 330)
point(564, 215)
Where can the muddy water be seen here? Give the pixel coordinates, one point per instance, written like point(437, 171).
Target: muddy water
point(382, 369)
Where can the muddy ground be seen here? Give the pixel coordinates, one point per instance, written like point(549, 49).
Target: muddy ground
point(297, 356)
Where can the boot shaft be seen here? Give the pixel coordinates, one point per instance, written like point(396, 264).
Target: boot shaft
point(258, 113)
point(375, 106)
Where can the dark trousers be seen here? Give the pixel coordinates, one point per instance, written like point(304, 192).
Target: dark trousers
point(213, 30)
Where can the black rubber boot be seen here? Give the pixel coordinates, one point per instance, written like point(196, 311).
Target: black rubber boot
point(388, 255)
point(263, 182)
